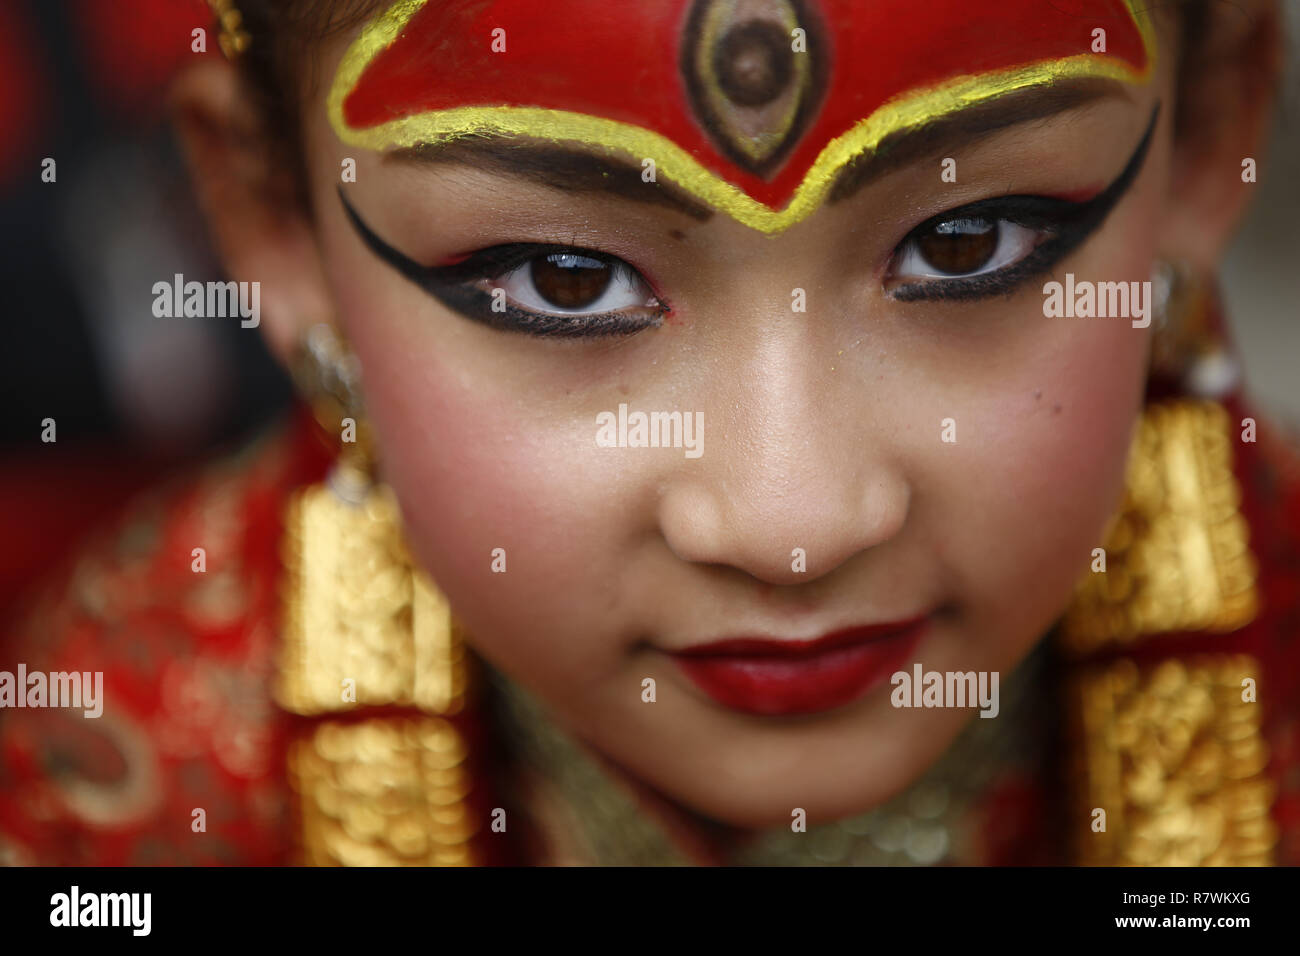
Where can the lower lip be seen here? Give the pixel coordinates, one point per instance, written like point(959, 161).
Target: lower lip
point(804, 684)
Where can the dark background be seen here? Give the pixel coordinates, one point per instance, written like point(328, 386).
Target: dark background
point(84, 82)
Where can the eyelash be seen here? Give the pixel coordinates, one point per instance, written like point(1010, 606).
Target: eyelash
point(455, 286)
point(1063, 223)
point(1066, 223)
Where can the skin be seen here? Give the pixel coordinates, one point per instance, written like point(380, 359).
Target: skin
point(822, 429)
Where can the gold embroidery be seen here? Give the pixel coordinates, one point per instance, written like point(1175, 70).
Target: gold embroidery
point(914, 109)
point(1177, 555)
point(132, 796)
point(383, 792)
point(1176, 758)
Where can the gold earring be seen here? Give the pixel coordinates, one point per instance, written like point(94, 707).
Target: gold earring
point(370, 650)
point(1188, 351)
point(233, 38)
point(356, 605)
point(1167, 753)
point(1176, 556)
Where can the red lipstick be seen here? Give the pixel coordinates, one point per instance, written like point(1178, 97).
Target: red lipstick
point(774, 677)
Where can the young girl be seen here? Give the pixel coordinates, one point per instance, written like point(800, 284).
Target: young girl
point(766, 431)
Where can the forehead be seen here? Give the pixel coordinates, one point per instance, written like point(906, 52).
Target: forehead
point(752, 106)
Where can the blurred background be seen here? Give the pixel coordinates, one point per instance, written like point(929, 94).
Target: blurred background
point(1262, 276)
point(84, 82)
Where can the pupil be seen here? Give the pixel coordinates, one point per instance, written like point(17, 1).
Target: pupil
point(569, 281)
point(958, 246)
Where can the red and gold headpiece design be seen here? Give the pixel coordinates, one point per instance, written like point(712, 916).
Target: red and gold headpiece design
point(752, 106)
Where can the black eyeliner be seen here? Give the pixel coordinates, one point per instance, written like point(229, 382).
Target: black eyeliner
point(1071, 222)
point(448, 284)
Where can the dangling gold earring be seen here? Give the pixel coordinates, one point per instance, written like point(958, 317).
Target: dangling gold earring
point(356, 605)
point(1176, 556)
point(1167, 753)
point(1188, 354)
point(364, 628)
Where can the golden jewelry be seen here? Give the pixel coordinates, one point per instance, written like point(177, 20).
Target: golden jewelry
point(1187, 348)
point(1177, 554)
point(1169, 753)
point(233, 38)
point(365, 631)
point(1174, 755)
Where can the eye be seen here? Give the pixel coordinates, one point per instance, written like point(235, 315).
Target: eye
point(543, 290)
point(964, 246)
point(994, 246)
point(575, 283)
point(548, 291)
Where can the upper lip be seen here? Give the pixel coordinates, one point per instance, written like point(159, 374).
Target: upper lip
point(781, 647)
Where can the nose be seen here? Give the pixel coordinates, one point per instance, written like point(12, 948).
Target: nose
point(798, 475)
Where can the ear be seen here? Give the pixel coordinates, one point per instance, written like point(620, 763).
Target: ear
point(1226, 90)
point(259, 226)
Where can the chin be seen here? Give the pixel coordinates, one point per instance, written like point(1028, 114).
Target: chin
point(740, 793)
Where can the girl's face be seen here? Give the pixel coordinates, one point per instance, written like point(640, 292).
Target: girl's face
point(891, 451)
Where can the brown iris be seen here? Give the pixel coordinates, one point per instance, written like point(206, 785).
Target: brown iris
point(959, 246)
point(569, 281)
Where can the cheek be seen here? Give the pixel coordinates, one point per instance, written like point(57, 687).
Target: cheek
point(1054, 472)
point(477, 467)
point(1040, 466)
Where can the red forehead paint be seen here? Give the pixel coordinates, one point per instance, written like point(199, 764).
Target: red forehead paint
point(763, 97)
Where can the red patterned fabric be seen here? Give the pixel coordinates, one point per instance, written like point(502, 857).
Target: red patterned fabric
point(1269, 471)
point(186, 657)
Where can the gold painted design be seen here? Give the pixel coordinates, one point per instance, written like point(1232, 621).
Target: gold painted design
point(383, 792)
point(1177, 553)
point(357, 608)
point(1176, 758)
point(904, 112)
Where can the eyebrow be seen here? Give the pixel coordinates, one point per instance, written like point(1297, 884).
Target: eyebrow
point(970, 125)
point(578, 170)
point(568, 169)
